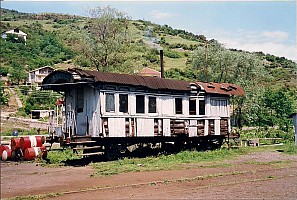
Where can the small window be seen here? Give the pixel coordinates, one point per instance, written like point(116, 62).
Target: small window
point(123, 101)
point(152, 105)
point(201, 107)
point(178, 106)
point(139, 103)
point(192, 106)
point(79, 100)
point(109, 103)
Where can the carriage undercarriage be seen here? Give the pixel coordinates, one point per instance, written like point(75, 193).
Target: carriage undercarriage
point(114, 148)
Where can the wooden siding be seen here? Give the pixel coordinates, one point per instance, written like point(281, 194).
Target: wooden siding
point(95, 121)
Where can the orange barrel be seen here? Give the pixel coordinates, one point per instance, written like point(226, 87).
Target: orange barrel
point(6, 154)
point(33, 152)
point(3, 147)
point(31, 141)
point(15, 143)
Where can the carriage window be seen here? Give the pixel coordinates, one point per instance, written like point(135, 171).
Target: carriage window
point(123, 101)
point(152, 105)
point(80, 100)
point(178, 106)
point(201, 107)
point(109, 103)
point(139, 103)
point(192, 106)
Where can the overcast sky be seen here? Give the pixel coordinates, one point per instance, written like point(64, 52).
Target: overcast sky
point(267, 26)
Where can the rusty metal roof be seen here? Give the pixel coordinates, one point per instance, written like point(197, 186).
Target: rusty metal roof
point(153, 83)
point(134, 80)
point(221, 88)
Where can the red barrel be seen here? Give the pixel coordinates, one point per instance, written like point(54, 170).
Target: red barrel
point(33, 152)
point(31, 141)
point(15, 143)
point(6, 154)
point(3, 147)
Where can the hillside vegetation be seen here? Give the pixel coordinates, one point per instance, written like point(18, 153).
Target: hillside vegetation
point(54, 39)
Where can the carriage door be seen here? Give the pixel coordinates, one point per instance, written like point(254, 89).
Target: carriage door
point(80, 109)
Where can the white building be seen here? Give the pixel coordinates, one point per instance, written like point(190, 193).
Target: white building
point(36, 76)
point(16, 32)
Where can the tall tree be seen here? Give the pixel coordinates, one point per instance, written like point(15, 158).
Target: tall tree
point(109, 37)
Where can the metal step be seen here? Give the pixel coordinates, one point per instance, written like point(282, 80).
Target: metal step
point(91, 154)
point(81, 136)
point(81, 142)
point(83, 148)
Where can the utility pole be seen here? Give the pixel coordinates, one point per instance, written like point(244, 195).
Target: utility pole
point(206, 61)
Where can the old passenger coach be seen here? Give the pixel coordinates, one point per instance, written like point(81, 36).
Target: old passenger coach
point(114, 111)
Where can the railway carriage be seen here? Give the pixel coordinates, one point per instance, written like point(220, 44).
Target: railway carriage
point(112, 111)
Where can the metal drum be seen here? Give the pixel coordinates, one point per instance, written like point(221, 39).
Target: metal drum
point(33, 152)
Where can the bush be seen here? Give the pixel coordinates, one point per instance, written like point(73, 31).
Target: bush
point(172, 54)
point(267, 132)
point(60, 156)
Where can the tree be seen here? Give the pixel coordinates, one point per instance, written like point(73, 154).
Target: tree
point(4, 97)
point(278, 106)
point(17, 73)
point(109, 37)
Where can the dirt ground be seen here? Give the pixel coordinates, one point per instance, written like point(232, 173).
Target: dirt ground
point(262, 175)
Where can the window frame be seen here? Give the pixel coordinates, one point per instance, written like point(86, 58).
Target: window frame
point(149, 105)
point(178, 104)
point(140, 104)
point(126, 104)
point(194, 108)
point(114, 107)
point(79, 100)
point(204, 107)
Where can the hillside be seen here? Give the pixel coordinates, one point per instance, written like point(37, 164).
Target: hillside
point(62, 41)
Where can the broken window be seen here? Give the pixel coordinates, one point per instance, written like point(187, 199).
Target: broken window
point(139, 103)
point(109, 103)
point(152, 105)
point(201, 107)
point(192, 106)
point(178, 106)
point(80, 100)
point(123, 101)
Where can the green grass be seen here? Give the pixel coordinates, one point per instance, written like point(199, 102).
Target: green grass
point(177, 39)
point(163, 162)
point(8, 127)
point(289, 148)
point(174, 62)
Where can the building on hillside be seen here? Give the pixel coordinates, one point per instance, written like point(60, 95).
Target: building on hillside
point(17, 32)
point(37, 114)
point(36, 76)
point(149, 72)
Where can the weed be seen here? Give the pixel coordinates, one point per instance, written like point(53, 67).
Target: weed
point(270, 177)
point(290, 148)
point(153, 183)
point(36, 197)
point(59, 156)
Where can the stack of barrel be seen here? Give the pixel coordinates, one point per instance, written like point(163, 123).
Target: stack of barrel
point(27, 147)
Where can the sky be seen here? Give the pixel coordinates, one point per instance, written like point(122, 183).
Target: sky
point(267, 26)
